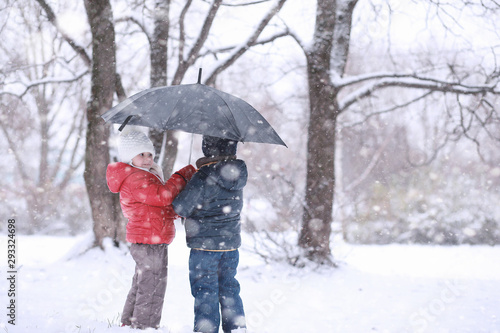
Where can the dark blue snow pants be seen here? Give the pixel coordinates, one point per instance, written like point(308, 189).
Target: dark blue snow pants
point(213, 283)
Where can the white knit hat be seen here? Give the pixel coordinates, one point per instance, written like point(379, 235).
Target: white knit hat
point(132, 143)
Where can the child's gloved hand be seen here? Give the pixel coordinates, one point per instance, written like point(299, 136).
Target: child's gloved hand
point(187, 172)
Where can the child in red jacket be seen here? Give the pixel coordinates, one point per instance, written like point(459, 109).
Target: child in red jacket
point(146, 201)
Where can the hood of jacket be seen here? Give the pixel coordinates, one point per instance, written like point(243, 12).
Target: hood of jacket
point(229, 174)
point(117, 173)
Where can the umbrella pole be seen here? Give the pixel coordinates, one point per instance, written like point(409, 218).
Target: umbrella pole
point(183, 219)
point(162, 149)
point(192, 135)
point(191, 148)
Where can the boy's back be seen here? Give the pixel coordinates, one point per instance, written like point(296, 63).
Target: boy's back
point(212, 202)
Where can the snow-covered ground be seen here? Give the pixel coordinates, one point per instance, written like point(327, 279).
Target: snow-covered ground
point(393, 289)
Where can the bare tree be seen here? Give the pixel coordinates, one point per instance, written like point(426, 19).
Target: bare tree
point(107, 219)
point(104, 214)
point(48, 86)
point(331, 93)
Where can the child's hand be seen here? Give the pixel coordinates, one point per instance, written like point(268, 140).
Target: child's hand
point(187, 172)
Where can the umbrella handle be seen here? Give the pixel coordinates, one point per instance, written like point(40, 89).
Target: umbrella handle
point(125, 123)
point(199, 76)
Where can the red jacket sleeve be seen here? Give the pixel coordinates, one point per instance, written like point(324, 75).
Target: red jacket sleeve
point(146, 189)
point(187, 172)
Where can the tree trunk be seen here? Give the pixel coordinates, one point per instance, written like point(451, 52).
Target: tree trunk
point(320, 178)
point(158, 58)
point(316, 220)
point(333, 23)
point(102, 88)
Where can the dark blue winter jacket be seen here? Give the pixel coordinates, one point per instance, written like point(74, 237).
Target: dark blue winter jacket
point(212, 203)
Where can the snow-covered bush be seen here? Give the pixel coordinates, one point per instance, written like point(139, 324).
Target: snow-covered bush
point(445, 208)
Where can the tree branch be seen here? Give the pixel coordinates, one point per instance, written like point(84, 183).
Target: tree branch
point(182, 32)
point(238, 52)
point(348, 81)
point(136, 22)
point(391, 109)
point(226, 49)
point(373, 161)
point(195, 50)
point(296, 37)
point(230, 4)
point(243, 4)
point(72, 165)
point(17, 156)
point(428, 160)
point(62, 150)
point(342, 35)
point(80, 50)
point(45, 81)
point(52, 19)
point(412, 81)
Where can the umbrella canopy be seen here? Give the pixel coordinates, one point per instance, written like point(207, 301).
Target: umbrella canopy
point(194, 108)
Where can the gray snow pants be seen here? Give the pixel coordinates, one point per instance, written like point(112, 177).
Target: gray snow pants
point(144, 302)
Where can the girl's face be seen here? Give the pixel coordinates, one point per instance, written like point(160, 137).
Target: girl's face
point(143, 160)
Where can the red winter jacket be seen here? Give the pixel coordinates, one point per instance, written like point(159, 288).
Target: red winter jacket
point(146, 201)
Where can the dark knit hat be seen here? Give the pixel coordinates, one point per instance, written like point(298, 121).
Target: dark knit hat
point(213, 146)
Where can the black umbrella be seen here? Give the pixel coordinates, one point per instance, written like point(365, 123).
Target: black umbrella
point(194, 108)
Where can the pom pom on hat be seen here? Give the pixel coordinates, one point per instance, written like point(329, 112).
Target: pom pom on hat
point(133, 143)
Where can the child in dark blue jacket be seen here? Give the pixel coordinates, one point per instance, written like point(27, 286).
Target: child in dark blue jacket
point(212, 203)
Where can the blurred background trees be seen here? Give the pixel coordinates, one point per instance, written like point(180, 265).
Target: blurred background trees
point(412, 155)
